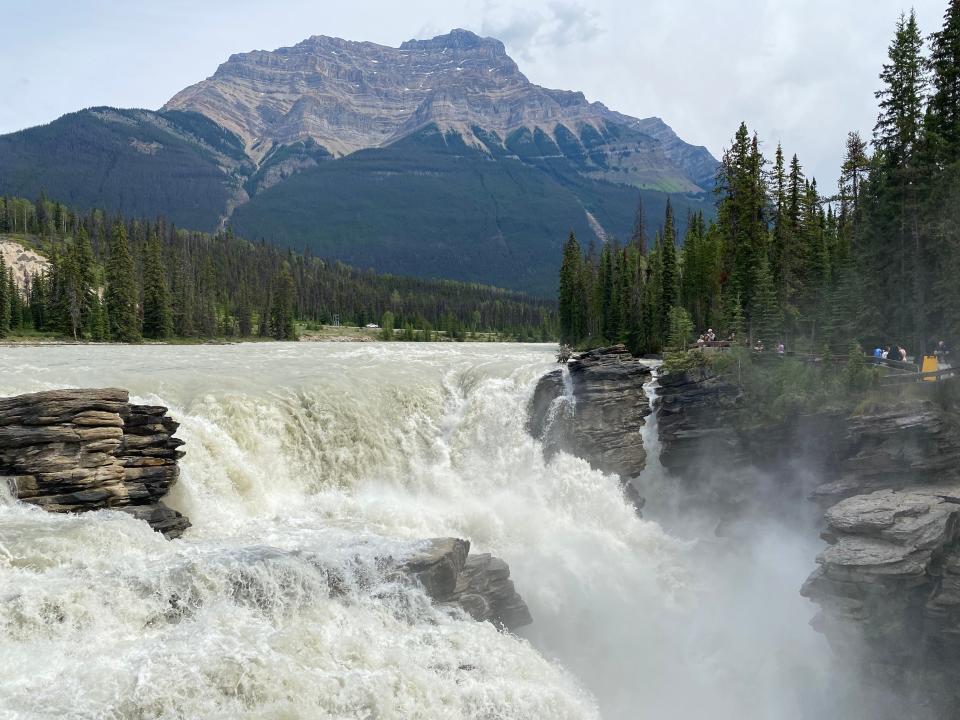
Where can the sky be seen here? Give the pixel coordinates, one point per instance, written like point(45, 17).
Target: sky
point(799, 72)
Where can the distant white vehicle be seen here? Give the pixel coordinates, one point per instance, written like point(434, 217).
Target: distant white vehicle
point(373, 326)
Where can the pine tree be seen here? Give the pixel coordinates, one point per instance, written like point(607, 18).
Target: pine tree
point(669, 275)
point(5, 301)
point(943, 114)
point(765, 315)
point(638, 237)
point(245, 315)
point(157, 312)
point(121, 296)
point(282, 320)
point(893, 249)
point(572, 310)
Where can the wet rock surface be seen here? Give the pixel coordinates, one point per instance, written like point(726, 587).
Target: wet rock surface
point(594, 408)
point(888, 482)
point(480, 584)
point(80, 450)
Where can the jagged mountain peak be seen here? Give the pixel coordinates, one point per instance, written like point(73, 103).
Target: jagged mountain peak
point(456, 39)
point(347, 96)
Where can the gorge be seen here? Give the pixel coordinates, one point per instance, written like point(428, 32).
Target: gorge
point(310, 462)
point(307, 466)
point(884, 480)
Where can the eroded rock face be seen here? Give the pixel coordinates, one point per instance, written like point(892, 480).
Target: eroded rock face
point(888, 587)
point(594, 409)
point(346, 96)
point(478, 584)
point(79, 450)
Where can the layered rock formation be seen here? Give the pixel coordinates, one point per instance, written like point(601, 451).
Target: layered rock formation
point(888, 584)
point(594, 408)
point(79, 450)
point(346, 96)
point(480, 585)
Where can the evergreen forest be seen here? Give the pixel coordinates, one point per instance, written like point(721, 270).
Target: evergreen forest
point(873, 261)
point(126, 280)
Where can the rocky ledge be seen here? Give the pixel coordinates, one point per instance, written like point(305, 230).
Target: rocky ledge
point(594, 408)
point(888, 480)
point(480, 585)
point(888, 587)
point(80, 450)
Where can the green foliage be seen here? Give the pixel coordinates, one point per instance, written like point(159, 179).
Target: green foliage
point(194, 285)
point(121, 294)
point(282, 321)
point(132, 161)
point(681, 328)
point(684, 360)
point(386, 326)
point(157, 312)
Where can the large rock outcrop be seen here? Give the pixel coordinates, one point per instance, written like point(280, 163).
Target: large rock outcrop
point(594, 408)
point(888, 587)
point(478, 584)
point(79, 450)
point(888, 479)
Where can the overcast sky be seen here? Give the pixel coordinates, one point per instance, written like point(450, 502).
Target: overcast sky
point(798, 71)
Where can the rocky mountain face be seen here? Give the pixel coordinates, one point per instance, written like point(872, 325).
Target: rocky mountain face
point(348, 96)
point(437, 159)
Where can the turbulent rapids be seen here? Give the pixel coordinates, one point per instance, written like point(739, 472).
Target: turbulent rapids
point(307, 459)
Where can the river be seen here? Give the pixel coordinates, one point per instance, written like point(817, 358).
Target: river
point(345, 452)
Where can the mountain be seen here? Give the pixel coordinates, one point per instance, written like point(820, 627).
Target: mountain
point(435, 158)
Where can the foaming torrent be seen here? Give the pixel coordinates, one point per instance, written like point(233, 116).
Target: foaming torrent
point(306, 460)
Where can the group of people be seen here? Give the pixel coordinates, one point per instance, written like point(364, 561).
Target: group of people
point(708, 336)
point(759, 347)
point(890, 352)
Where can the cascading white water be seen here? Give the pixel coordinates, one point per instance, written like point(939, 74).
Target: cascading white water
point(304, 459)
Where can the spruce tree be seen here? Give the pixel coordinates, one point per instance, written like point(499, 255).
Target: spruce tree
point(572, 302)
point(943, 113)
point(282, 320)
point(893, 248)
point(121, 295)
point(669, 275)
point(5, 301)
point(157, 312)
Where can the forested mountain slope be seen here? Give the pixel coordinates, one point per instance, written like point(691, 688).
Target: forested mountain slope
point(438, 157)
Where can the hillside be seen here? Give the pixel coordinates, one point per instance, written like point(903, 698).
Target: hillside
point(435, 158)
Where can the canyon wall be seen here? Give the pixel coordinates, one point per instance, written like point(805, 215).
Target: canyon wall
point(886, 480)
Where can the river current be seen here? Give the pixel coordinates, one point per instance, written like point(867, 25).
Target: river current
point(346, 452)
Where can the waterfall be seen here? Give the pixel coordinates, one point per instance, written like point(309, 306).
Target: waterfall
point(305, 464)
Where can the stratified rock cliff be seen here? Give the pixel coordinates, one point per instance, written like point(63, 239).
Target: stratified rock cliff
point(346, 96)
point(888, 585)
point(594, 408)
point(79, 450)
